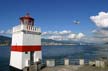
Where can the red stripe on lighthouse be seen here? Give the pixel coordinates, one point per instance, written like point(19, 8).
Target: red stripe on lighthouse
point(26, 48)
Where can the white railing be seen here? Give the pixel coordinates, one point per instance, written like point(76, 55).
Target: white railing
point(26, 28)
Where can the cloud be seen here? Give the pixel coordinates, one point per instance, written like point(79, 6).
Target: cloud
point(64, 32)
point(44, 33)
point(72, 36)
point(9, 31)
point(62, 35)
point(91, 39)
point(76, 36)
point(80, 35)
point(101, 20)
point(2, 32)
point(99, 36)
point(100, 33)
point(55, 37)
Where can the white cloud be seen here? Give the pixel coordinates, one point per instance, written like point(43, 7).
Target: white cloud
point(9, 31)
point(80, 35)
point(76, 36)
point(100, 36)
point(55, 37)
point(6, 32)
point(101, 20)
point(2, 32)
point(72, 36)
point(65, 32)
point(44, 33)
point(100, 33)
point(92, 39)
point(62, 35)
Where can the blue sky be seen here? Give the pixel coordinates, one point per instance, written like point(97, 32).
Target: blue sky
point(53, 15)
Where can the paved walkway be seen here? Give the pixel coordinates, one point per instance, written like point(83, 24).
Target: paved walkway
point(91, 68)
point(74, 68)
point(61, 68)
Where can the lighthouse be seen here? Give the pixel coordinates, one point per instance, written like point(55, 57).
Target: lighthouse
point(26, 44)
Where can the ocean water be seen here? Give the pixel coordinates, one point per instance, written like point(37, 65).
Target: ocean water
point(4, 58)
point(87, 52)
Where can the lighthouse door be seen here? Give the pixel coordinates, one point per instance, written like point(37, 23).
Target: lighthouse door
point(31, 57)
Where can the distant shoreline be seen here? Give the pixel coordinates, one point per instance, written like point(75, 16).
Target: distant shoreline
point(4, 45)
point(57, 44)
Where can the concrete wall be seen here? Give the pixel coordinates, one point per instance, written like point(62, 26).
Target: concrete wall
point(17, 38)
point(37, 55)
point(50, 63)
point(81, 61)
point(100, 63)
point(16, 59)
point(31, 39)
point(66, 61)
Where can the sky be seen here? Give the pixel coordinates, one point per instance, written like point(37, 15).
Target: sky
point(55, 17)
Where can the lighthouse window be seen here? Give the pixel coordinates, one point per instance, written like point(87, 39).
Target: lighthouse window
point(26, 52)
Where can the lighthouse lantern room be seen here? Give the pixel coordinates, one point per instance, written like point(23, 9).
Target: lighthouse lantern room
point(26, 44)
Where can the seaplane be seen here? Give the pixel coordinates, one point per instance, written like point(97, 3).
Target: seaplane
point(76, 22)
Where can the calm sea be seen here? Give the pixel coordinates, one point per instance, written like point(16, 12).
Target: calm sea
point(60, 52)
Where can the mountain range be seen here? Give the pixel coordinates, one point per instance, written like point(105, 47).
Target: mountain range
point(4, 40)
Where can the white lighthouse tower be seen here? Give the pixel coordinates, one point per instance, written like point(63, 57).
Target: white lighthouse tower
point(26, 44)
